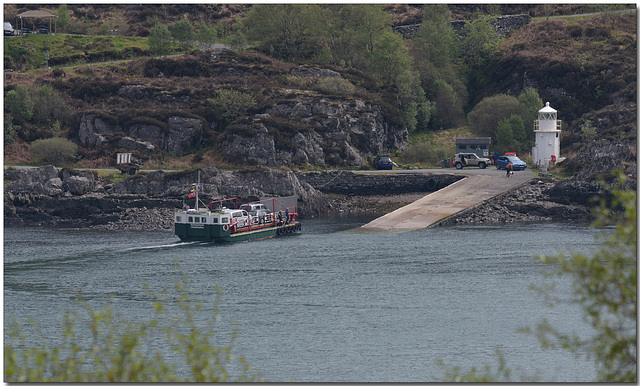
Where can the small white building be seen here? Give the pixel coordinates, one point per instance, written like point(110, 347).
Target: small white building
point(547, 131)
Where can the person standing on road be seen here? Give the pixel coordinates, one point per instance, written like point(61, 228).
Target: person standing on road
point(509, 168)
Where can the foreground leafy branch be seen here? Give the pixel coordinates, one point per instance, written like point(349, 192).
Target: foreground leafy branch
point(108, 349)
point(605, 286)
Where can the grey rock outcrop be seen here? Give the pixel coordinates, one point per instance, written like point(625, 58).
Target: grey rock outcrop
point(177, 135)
point(528, 203)
point(184, 134)
point(334, 132)
point(93, 130)
point(595, 161)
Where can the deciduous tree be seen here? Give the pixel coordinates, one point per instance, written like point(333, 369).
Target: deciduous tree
point(389, 58)
point(182, 31)
point(160, 40)
point(63, 20)
point(529, 102)
point(285, 31)
point(486, 115)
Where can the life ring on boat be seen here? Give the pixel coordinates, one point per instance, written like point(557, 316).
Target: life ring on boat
point(225, 227)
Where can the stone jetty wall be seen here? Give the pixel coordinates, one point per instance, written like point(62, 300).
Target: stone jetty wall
point(344, 182)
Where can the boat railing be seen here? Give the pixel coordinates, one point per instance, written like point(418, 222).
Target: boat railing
point(236, 201)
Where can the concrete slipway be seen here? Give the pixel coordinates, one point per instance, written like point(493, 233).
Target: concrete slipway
point(477, 187)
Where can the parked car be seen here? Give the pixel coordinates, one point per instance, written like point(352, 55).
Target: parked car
point(43, 30)
point(503, 160)
point(261, 216)
point(461, 160)
point(383, 162)
point(8, 29)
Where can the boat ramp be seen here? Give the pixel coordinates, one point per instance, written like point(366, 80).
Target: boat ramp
point(477, 187)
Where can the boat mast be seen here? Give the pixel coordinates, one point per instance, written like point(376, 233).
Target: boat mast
point(197, 188)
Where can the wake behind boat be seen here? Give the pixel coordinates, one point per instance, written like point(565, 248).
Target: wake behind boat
point(229, 220)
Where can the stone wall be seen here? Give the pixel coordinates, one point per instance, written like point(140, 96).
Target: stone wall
point(344, 182)
point(503, 24)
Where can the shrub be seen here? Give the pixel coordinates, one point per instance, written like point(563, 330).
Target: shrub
point(109, 349)
point(231, 104)
point(10, 132)
point(49, 106)
point(19, 104)
point(53, 151)
point(335, 86)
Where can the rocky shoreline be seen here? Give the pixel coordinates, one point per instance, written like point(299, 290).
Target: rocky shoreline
point(528, 203)
point(47, 196)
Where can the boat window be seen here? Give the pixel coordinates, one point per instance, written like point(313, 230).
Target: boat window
point(197, 219)
point(204, 219)
point(190, 219)
point(225, 219)
point(178, 218)
point(215, 220)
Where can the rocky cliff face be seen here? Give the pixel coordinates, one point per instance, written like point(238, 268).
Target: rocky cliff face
point(597, 160)
point(332, 132)
point(299, 114)
point(178, 135)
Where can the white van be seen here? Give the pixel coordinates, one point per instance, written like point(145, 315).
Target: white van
point(241, 216)
point(8, 29)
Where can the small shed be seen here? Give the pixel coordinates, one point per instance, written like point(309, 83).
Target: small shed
point(477, 145)
point(34, 16)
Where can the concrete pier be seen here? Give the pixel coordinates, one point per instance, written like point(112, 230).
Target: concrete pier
point(476, 188)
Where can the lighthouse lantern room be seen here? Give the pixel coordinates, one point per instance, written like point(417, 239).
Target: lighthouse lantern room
point(547, 133)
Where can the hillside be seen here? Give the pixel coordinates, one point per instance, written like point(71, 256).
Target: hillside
point(583, 66)
point(137, 19)
point(171, 110)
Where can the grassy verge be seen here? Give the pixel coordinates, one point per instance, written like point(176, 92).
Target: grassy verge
point(427, 148)
point(27, 52)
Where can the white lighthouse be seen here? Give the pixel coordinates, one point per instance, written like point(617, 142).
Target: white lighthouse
point(547, 131)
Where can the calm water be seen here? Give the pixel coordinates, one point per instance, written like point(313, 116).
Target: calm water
point(330, 304)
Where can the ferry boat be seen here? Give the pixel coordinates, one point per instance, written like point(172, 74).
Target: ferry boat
point(229, 220)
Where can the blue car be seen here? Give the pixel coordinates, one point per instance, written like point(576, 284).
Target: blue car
point(383, 162)
point(503, 160)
